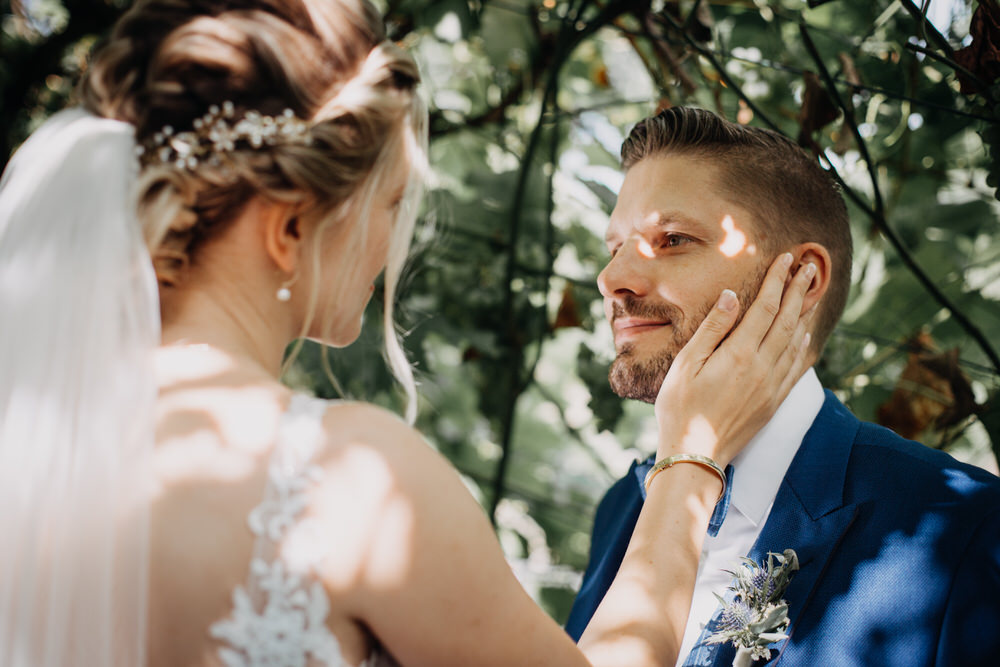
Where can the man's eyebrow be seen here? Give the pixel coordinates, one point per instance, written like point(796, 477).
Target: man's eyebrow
point(667, 218)
point(661, 219)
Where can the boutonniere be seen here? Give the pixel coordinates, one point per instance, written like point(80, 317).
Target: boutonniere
point(757, 617)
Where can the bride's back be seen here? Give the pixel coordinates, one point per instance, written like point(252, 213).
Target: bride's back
point(215, 440)
point(213, 443)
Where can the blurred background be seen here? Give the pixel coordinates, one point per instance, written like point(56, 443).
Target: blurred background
point(530, 101)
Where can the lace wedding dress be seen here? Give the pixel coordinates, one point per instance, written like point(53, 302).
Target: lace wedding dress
point(279, 616)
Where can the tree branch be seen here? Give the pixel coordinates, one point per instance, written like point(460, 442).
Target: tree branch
point(515, 346)
point(666, 57)
point(569, 37)
point(540, 64)
point(882, 225)
point(848, 117)
point(439, 126)
point(877, 214)
point(654, 72)
point(574, 432)
point(728, 80)
point(550, 241)
point(982, 87)
point(927, 28)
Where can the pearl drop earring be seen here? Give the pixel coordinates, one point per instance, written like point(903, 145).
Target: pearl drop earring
point(284, 293)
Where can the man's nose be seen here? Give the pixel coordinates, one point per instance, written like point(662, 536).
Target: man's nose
point(627, 272)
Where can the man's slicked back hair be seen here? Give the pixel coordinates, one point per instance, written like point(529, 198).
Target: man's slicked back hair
point(792, 199)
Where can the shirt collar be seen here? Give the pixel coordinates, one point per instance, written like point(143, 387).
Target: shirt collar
point(760, 467)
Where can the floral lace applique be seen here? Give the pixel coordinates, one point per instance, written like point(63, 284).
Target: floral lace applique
point(279, 617)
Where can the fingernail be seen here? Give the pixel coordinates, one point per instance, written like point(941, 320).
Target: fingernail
point(728, 301)
point(806, 340)
point(786, 259)
point(810, 270)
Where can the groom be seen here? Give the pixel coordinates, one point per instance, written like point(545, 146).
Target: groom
point(899, 545)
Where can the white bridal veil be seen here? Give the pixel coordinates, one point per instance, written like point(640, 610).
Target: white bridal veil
point(78, 321)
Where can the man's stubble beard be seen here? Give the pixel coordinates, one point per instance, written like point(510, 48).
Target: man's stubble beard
point(640, 379)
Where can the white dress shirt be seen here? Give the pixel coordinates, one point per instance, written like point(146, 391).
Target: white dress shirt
point(757, 474)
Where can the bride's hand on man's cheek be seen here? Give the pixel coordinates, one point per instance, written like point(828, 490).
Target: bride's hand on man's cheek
point(727, 383)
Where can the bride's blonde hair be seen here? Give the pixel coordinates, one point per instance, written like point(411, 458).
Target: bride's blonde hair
point(168, 61)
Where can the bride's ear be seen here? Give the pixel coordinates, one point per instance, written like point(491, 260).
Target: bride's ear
point(282, 231)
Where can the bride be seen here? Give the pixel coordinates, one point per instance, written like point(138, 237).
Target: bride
point(240, 173)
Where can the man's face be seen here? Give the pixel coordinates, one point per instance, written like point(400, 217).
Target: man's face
point(676, 242)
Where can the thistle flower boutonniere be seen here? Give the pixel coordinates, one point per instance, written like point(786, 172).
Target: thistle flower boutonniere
point(757, 617)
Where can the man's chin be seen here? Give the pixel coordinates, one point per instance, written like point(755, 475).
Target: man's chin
point(638, 380)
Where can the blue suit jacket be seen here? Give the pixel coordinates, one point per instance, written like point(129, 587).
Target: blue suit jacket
point(899, 548)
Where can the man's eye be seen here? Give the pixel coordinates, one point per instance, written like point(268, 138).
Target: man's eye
point(675, 240)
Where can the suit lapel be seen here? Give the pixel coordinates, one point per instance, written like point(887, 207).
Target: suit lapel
point(809, 514)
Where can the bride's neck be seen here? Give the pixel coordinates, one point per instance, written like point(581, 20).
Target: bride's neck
point(229, 322)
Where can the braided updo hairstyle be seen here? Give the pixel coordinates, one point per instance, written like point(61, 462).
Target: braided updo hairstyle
point(168, 61)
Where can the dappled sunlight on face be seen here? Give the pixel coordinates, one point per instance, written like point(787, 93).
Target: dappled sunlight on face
point(735, 240)
point(645, 249)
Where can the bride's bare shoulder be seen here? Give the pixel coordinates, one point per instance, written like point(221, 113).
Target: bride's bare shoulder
point(412, 552)
point(347, 421)
point(373, 452)
point(386, 493)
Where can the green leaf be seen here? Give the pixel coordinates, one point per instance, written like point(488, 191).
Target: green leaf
point(772, 620)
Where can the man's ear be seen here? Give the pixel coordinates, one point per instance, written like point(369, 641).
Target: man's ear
point(282, 234)
point(813, 253)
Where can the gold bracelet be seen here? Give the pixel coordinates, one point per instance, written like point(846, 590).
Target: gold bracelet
point(663, 464)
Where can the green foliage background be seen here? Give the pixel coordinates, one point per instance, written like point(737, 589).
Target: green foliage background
point(530, 101)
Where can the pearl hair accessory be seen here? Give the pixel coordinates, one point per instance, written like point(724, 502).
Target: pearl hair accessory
point(217, 133)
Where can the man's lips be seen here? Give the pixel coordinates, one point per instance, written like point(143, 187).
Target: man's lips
point(629, 326)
